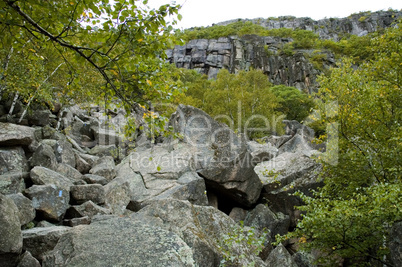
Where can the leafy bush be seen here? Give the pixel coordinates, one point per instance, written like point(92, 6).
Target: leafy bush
point(351, 215)
point(243, 101)
point(239, 243)
point(292, 102)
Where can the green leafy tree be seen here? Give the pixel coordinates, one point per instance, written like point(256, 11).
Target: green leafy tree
point(244, 101)
point(351, 215)
point(122, 41)
point(292, 102)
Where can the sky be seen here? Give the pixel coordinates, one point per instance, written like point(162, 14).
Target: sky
point(207, 12)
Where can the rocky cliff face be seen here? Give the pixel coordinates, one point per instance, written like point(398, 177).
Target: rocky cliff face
point(250, 51)
point(332, 28)
point(266, 53)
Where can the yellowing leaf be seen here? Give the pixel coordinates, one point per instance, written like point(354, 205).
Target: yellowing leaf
point(149, 82)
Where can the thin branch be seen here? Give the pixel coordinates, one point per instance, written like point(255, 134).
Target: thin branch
point(77, 49)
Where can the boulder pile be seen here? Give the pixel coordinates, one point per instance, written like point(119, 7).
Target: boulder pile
point(81, 195)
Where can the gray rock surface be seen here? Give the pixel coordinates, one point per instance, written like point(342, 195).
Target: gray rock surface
point(201, 227)
point(81, 164)
point(16, 135)
point(12, 182)
point(105, 167)
point(27, 260)
point(64, 152)
point(40, 117)
point(66, 170)
point(261, 217)
point(160, 173)
point(105, 243)
point(44, 176)
point(280, 257)
point(83, 193)
point(40, 240)
point(264, 53)
point(87, 209)
point(43, 156)
point(94, 179)
point(288, 171)
point(12, 159)
point(49, 201)
point(238, 214)
point(261, 152)
point(26, 211)
point(220, 156)
point(10, 231)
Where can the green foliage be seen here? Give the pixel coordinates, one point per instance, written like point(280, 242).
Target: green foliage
point(351, 215)
point(239, 243)
point(302, 38)
point(292, 102)
point(109, 50)
point(243, 101)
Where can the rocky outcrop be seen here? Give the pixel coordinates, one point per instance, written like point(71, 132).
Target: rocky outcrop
point(220, 156)
point(331, 28)
point(249, 51)
point(267, 53)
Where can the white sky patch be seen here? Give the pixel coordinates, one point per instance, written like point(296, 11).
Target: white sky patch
point(207, 12)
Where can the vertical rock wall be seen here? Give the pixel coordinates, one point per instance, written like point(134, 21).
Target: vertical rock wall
point(267, 54)
point(250, 51)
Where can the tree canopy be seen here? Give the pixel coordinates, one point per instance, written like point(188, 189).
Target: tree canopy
point(110, 48)
point(351, 215)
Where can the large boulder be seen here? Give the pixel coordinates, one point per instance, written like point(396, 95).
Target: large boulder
point(64, 152)
point(117, 241)
point(261, 152)
point(220, 156)
point(26, 211)
point(262, 217)
point(16, 135)
point(285, 174)
point(288, 170)
point(49, 201)
point(164, 233)
point(94, 179)
point(44, 176)
point(12, 159)
point(12, 182)
point(10, 232)
point(204, 229)
point(280, 257)
point(69, 172)
point(44, 156)
point(27, 260)
point(83, 193)
point(159, 173)
point(40, 117)
point(105, 167)
point(40, 240)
